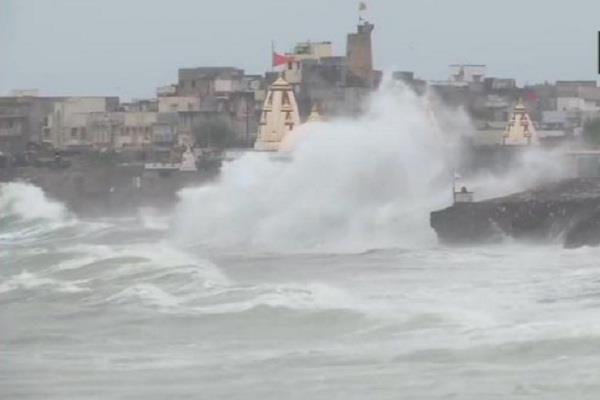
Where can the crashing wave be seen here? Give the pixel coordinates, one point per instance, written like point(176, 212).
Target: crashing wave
point(349, 184)
point(26, 212)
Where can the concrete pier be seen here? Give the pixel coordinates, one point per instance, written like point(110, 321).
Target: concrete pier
point(567, 212)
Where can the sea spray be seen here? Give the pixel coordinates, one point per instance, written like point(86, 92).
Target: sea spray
point(349, 184)
point(26, 213)
point(28, 202)
point(532, 167)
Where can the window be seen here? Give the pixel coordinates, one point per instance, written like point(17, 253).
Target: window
point(193, 84)
point(290, 65)
point(83, 133)
point(73, 133)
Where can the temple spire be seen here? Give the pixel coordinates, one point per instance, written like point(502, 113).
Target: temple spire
point(279, 116)
point(520, 130)
point(315, 115)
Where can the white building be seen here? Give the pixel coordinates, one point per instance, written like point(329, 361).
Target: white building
point(137, 130)
point(584, 99)
point(68, 123)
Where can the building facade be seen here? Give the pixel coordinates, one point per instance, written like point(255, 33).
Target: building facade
point(67, 127)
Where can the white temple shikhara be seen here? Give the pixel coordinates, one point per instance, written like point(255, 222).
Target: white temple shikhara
point(520, 130)
point(291, 139)
point(279, 116)
point(315, 115)
point(188, 160)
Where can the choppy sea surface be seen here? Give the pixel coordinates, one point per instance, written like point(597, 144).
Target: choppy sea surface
point(114, 309)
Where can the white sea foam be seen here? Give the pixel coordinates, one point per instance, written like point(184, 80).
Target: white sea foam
point(147, 294)
point(153, 219)
point(154, 260)
point(309, 297)
point(29, 202)
point(30, 281)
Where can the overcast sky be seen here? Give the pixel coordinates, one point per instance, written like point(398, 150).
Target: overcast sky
point(129, 47)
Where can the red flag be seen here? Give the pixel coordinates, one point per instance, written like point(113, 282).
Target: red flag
point(279, 59)
point(532, 96)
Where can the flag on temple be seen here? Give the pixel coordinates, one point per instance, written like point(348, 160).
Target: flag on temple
point(532, 96)
point(362, 6)
point(280, 59)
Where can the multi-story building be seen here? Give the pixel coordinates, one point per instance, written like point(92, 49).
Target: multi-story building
point(165, 134)
point(467, 73)
point(23, 119)
point(339, 85)
point(104, 129)
point(581, 98)
point(137, 130)
point(140, 105)
point(174, 104)
point(14, 125)
point(314, 51)
point(209, 81)
point(67, 124)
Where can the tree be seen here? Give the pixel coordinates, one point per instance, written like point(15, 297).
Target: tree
point(591, 131)
point(214, 133)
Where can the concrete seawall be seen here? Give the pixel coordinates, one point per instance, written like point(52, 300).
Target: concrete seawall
point(93, 189)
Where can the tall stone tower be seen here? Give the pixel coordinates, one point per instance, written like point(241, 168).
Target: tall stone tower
point(359, 53)
point(279, 116)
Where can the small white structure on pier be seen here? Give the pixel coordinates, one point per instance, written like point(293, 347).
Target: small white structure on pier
point(462, 195)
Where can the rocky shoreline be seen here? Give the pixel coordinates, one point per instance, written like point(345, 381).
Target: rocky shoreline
point(567, 212)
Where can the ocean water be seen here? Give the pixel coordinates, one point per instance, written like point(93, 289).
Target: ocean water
point(114, 309)
point(315, 277)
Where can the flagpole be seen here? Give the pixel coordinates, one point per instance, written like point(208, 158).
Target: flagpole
point(272, 55)
point(453, 186)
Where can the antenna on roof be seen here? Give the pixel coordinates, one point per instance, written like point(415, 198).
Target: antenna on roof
point(362, 8)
